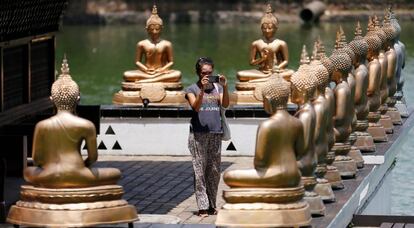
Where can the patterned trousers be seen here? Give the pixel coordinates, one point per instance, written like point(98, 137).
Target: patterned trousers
point(205, 149)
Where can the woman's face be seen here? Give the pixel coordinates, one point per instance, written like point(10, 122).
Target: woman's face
point(206, 70)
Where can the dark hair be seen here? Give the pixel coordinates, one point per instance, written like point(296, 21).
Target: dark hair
point(202, 61)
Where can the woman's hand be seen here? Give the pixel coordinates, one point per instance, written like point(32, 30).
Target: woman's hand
point(222, 80)
point(204, 82)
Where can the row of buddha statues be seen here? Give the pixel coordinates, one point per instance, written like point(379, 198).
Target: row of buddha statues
point(156, 82)
point(346, 102)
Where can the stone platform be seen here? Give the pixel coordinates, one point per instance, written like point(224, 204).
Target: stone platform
point(161, 187)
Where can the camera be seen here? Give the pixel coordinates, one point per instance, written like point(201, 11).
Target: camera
point(213, 78)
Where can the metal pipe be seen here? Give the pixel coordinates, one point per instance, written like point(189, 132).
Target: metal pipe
point(312, 11)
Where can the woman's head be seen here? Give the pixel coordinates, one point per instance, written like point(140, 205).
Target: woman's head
point(204, 66)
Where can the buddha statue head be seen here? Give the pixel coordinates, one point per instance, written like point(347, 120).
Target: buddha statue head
point(373, 41)
point(389, 30)
point(342, 46)
point(342, 65)
point(320, 72)
point(269, 23)
point(154, 23)
point(65, 91)
point(275, 94)
point(379, 31)
point(303, 85)
point(358, 45)
point(321, 76)
point(321, 56)
point(394, 22)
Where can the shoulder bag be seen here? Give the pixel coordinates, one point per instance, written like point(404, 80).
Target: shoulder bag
point(225, 126)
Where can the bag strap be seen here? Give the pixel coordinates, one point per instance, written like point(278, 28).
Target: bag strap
point(216, 87)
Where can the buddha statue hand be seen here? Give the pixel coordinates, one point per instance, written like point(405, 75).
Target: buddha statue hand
point(276, 69)
point(264, 54)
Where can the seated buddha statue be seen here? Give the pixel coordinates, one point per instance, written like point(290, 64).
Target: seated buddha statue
point(343, 114)
point(303, 86)
point(279, 141)
point(392, 58)
point(342, 46)
point(401, 55)
point(154, 56)
point(57, 141)
point(153, 80)
point(374, 84)
point(344, 103)
point(391, 54)
point(359, 46)
point(270, 194)
point(332, 174)
point(385, 120)
point(323, 117)
point(268, 53)
point(63, 189)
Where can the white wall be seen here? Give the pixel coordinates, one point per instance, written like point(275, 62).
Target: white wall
point(168, 136)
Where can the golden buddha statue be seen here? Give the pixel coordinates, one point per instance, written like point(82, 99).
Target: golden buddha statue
point(374, 82)
point(385, 120)
point(400, 50)
point(64, 190)
point(392, 59)
point(303, 87)
point(342, 46)
point(270, 55)
point(344, 112)
point(60, 164)
point(359, 46)
point(270, 194)
point(332, 174)
point(154, 79)
point(323, 117)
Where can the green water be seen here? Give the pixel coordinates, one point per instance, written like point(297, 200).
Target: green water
point(98, 56)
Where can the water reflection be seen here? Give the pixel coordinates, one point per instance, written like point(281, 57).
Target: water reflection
point(98, 56)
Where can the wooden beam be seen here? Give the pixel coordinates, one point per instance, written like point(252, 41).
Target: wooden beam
point(21, 111)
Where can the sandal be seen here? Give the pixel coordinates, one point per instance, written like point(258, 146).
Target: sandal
point(202, 213)
point(212, 211)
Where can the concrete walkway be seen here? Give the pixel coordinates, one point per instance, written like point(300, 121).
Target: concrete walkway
point(164, 184)
point(161, 188)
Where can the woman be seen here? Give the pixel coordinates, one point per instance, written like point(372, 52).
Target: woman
point(204, 142)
